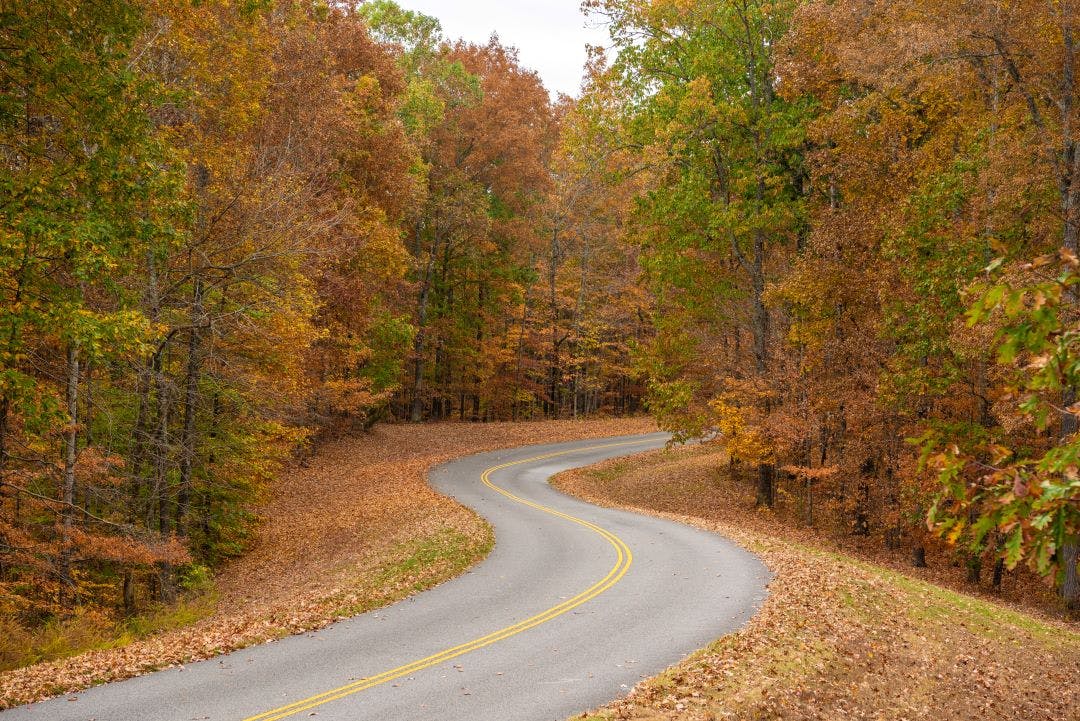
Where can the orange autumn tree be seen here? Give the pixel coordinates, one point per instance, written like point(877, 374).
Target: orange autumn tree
point(944, 92)
point(598, 307)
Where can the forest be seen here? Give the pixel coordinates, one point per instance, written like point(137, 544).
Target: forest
point(841, 237)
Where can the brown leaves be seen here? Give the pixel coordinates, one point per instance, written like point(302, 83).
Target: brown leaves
point(837, 637)
point(89, 544)
point(335, 537)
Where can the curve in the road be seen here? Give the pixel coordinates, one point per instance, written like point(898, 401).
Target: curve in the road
point(516, 637)
point(622, 564)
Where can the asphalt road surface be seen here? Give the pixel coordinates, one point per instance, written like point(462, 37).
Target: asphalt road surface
point(574, 606)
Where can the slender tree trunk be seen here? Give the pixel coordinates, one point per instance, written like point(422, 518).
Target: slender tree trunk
point(166, 589)
point(417, 411)
point(519, 354)
point(1070, 582)
point(88, 415)
point(127, 592)
point(766, 492)
point(578, 312)
point(1070, 549)
point(974, 569)
point(191, 399)
point(765, 484)
point(71, 438)
point(974, 559)
point(86, 421)
point(918, 556)
point(161, 448)
point(553, 305)
point(5, 409)
point(999, 573)
point(481, 300)
point(140, 439)
point(1070, 202)
point(10, 361)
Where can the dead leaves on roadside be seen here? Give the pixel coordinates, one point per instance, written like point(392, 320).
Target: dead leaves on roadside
point(355, 528)
point(838, 637)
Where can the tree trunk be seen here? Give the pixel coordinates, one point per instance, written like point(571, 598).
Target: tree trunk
point(974, 568)
point(88, 415)
point(999, 573)
point(553, 302)
point(862, 510)
point(1070, 201)
point(417, 411)
point(5, 406)
point(519, 354)
point(71, 438)
point(1070, 582)
point(191, 399)
point(127, 593)
point(766, 484)
point(160, 484)
point(918, 556)
point(481, 300)
point(1070, 579)
point(766, 493)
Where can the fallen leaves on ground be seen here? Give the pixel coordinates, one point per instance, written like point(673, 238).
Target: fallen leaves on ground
point(352, 528)
point(839, 637)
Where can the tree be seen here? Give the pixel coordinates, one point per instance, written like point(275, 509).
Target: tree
point(724, 208)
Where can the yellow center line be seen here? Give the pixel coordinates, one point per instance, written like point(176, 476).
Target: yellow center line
point(622, 564)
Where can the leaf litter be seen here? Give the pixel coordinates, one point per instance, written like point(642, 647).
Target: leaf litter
point(352, 528)
point(841, 635)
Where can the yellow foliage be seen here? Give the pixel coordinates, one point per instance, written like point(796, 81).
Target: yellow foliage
point(744, 440)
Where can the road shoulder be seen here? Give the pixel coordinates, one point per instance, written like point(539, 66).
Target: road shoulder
point(838, 637)
point(355, 529)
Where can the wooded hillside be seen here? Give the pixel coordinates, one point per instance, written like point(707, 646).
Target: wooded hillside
point(859, 224)
point(229, 227)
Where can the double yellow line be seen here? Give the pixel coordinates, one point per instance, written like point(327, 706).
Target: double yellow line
point(622, 564)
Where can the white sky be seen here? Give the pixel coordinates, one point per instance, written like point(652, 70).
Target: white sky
point(549, 34)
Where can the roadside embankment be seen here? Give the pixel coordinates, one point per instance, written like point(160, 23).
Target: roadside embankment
point(839, 637)
point(353, 528)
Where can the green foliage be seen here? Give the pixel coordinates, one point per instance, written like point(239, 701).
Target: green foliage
point(1031, 496)
point(697, 93)
point(91, 188)
point(417, 33)
point(935, 262)
point(390, 337)
point(435, 83)
point(196, 578)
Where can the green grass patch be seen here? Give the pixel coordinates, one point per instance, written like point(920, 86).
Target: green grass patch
point(417, 565)
point(89, 630)
point(941, 605)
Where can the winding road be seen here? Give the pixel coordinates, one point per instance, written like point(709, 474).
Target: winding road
point(574, 606)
